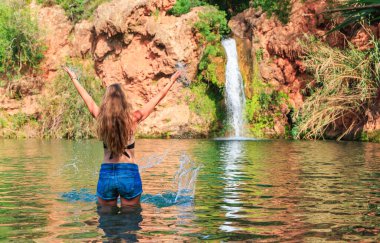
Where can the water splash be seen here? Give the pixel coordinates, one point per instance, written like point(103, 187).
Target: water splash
point(180, 66)
point(235, 98)
point(167, 199)
point(75, 69)
point(185, 179)
point(151, 161)
point(81, 195)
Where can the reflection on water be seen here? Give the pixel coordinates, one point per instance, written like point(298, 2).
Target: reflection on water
point(120, 223)
point(230, 153)
point(246, 190)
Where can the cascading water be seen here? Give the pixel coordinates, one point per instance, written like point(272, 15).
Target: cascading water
point(235, 98)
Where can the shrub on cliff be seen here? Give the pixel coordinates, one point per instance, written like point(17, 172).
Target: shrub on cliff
point(206, 102)
point(231, 7)
point(64, 114)
point(75, 9)
point(345, 86)
point(280, 8)
point(212, 26)
point(263, 106)
point(20, 47)
point(184, 6)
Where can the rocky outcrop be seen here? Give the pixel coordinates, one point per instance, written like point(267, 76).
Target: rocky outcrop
point(136, 44)
point(141, 45)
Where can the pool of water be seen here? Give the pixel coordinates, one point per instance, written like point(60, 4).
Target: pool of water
point(266, 191)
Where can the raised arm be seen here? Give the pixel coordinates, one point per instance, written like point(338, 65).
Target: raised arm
point(91, 105)
point(148, 108)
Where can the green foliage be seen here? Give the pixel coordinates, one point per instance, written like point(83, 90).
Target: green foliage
point(20, 47)
point(263, 106)
point(17, 125)
point(76, 10)
point(19, 120)
point(261, 110)
point(370, 137)
point(64, 113)
point(281, 8)
point(184, 6)
point(207, 104)
point(345, 86)
point(259, 54)
point(202, 104)
point(358, 11)
point(231, 7)
point(212, 25)
point(207, 69)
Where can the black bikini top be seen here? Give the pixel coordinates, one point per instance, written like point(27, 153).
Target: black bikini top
point(131, 146)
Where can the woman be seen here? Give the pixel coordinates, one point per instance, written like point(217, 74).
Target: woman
point(119, 175)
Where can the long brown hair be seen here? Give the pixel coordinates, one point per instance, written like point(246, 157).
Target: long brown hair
point(114, 120)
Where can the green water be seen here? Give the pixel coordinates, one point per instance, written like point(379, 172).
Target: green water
point(269, 191)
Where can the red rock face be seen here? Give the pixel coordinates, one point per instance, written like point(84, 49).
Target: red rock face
point(136, 44)
point(55, 29)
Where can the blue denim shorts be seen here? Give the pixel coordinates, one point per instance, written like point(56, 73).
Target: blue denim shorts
point(119, 179)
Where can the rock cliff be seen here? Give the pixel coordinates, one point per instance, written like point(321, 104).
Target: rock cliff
point(136, 44)
point(133, 43)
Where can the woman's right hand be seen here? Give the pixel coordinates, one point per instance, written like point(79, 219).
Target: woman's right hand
point(70, 73)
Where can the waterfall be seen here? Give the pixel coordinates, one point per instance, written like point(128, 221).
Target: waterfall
point(235, 98)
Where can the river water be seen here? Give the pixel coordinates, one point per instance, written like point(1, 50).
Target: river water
point(264, 190)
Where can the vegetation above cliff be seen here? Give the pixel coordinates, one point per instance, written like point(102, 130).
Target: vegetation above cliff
point(212, 26)
point(281, 9)
point(75, 9)
point(20, 47)
point(231, 7)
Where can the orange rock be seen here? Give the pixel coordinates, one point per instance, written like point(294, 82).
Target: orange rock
point(55, 29)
